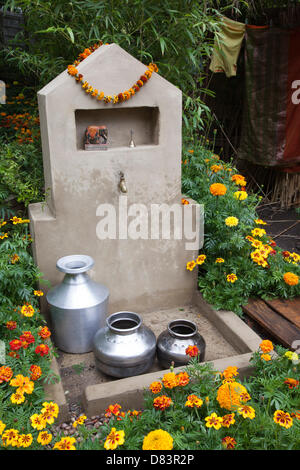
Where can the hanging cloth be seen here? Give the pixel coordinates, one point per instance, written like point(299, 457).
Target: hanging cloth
point(227, 48)
point(271, 109)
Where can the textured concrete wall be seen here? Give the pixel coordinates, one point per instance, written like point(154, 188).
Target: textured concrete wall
point(140, 274)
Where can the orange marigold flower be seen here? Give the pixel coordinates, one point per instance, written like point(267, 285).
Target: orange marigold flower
point(228, 420)
point(184, 201)
point(182, 379)
point(228, 442)
point(44, 332)
point(229, 394)
point(113, 410)
point(193, 401)
point(283, 419)
point(11, 325)
point(155, 387)
point(42, 349)
point(230, 371)
point(169, 380)
point(266, 346)
point(6, 374)
point(162, 402)
point(36, 372)
point(15, 344)
point(239, 180)
point(218, 189)
point(192, 351)
point(291, 279)
point(266, 357)
point(27, 337)
point(291, 383)
point(153, 67)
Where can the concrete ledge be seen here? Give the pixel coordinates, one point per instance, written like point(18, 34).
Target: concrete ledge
point(129, 392)
point(233, 328)
point(55, 392)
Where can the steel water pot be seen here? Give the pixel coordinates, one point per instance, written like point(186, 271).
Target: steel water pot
point(173, 342)
point(78, 305)
point(125, 346)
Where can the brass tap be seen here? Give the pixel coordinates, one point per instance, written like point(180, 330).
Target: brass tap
point(122, 183)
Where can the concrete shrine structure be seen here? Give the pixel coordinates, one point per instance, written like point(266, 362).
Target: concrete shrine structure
point(142, 272)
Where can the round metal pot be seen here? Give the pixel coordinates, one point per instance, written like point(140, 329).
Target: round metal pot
point(172, 343)
point(125, 346)
point(78, 305)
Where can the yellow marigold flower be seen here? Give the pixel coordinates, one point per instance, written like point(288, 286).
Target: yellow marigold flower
point(246, 411)
point(25, 440)
point(50, 408)
point(291, 279)
point(17, 398)
point(266, 346)
point(258, 232)
point(2, 427)
point(201, 259)
point(260, 222)
point(14, 259)
point(240, 195)
point(38, 422)
point(292, 356)
point(27, 310)
point(38, 293)
point(193, 401)
point(44, 438)
point(66, 443)
point(100, 96)
point(213, 421)
point(256, 243)
point(231, 221)
point(23, 384)
point(190, 265)
point(228, 420)
point(114, 439)
point(218, 189)
point(231, 278)
point(10, 437)
point(283, 419)
point(155, 387)
point(220, 260)
point(158, 440)
point(79, 421)
point(169, 380)
point(228, 395)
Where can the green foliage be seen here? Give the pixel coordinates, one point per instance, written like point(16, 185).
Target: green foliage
point(267, 391)
point(201, 169)
point(176, 35)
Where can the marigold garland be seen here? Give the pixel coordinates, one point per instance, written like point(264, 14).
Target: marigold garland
point(100, 95)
